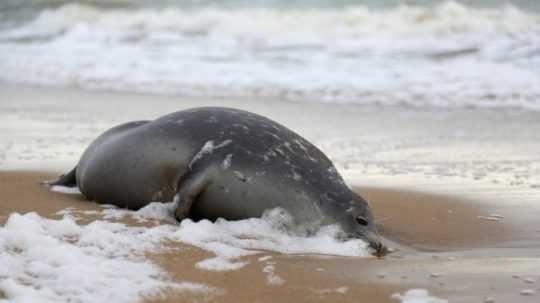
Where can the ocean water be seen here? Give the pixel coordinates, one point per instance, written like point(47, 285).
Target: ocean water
point(414, 53)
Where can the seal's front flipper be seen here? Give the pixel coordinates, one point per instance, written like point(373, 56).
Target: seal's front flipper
point(190, 188)
point(68, 180)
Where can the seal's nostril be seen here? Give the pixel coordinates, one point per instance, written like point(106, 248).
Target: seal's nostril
point(381, 250)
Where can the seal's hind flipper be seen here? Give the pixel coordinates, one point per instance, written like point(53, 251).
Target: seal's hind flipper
point(68, 180)
point(190, 188)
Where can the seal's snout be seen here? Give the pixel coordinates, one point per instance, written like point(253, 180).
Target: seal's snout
point(379, 249)
point(375, 243)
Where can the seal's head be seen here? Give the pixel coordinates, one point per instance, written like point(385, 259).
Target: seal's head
point(358, 222)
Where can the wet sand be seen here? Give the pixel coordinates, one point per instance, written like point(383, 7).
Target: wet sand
point(456, 192)
point(442, 244)
point(438, 223)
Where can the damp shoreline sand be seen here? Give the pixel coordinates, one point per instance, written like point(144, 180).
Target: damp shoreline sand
point(444, 258)
point(466, 234)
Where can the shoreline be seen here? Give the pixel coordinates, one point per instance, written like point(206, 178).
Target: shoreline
point(48, 128)
point(455, 192)
point(404, 215)
point(428, 254)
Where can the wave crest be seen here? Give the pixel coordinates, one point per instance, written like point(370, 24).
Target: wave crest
point(446, 18)
point(445, 55)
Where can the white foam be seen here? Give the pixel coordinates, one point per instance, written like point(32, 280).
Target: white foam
point(50, 260)
point(417, 296)
point(264, 258)
point(447, 55)
point(232, 240)
point(219, 264)
point(154, 211)
point(66, 190)
point(271, 277)
point(448, 17)
point(157, 211)
point(44, 260)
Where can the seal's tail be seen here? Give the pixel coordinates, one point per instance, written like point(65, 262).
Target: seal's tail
point(68, 179)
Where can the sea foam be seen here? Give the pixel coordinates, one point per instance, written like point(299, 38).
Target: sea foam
point(64, 261)
point(60, 261)
point(417, 296)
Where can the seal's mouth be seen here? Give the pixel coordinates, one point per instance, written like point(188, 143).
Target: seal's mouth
point(379, 249)
point(373, 240)
point(375, 243)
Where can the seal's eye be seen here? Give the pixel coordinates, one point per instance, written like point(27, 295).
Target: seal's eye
point(362, 221)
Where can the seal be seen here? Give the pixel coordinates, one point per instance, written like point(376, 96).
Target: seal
point(220, 162)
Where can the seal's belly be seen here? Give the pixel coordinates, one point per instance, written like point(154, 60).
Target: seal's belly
point(229, 202)
point(237, 200)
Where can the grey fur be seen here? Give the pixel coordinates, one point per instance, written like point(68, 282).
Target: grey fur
point(220, 162)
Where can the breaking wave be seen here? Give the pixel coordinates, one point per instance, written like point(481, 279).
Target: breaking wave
point(443, 55)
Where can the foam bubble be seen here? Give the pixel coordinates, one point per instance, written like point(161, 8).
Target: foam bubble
point(417, 296)
point(271, 277)
point(66, 190)
point(219, 264)
point(154, 211)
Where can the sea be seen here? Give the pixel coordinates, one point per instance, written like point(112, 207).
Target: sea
point(388, 52)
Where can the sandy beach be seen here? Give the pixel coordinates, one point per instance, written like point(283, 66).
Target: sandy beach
point(441, 245)
point(455, 194)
